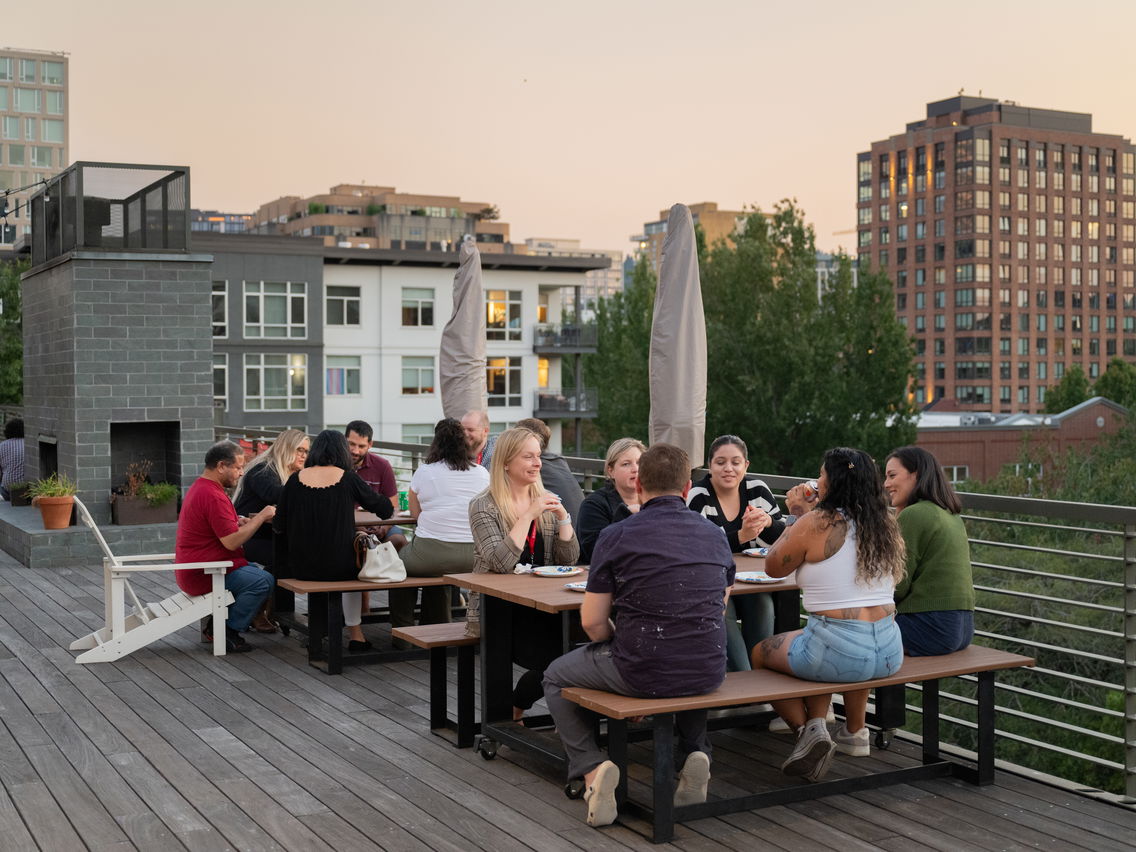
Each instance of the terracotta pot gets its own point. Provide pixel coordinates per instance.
(56, 511)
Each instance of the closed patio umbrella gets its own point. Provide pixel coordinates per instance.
(677, 366)
(461, 359)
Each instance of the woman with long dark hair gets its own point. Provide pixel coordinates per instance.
(935, 602)
(315, 522)
(848, 555)
(439, 496)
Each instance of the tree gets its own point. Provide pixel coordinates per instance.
(1073, 389)
(1117, 383)
(11, 334)
(618, 369)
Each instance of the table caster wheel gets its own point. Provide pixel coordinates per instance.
(285, 629)
(486, 747)
(574, 789)
(883, 739)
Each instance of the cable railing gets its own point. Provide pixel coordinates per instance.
(1055, 581)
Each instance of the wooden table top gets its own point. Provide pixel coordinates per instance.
(363, 518)
(548, 594)
(305, 587)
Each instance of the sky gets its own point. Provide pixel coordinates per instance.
(578, 120)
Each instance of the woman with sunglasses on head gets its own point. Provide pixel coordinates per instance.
(744, 507)
(616, 500)
(848, 556)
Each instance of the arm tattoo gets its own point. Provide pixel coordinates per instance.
(834, 540)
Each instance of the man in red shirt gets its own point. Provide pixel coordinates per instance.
(209, 531)
(376, 472)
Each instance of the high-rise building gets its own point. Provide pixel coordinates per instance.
(33, 131)
(716, 225)
(1008, 234)
(598, 283)
(378, 217)
(216, 222)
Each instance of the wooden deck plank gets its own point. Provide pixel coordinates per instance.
(46, 822)
(83, 808)
(16, 836)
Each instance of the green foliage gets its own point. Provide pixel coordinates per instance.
(618, 369)
(1118, 383)
(56, 485)
(158, 493)
(315, 208)
(376, 209)
(11, 334)
(1073, 389)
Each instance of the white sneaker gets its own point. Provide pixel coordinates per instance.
(813, 753)
(856, 745)
(780, 726)
(693, 780)
(600, 796)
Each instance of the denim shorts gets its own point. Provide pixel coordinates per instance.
(927, 634)
(840, 650)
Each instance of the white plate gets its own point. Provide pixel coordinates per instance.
(557, 570)
(754, 577)
(578, 586)
(758, 552)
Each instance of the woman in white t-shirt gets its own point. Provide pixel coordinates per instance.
(440, 491)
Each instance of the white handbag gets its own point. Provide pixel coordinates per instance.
(378, 562)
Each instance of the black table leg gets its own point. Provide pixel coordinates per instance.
(496, 660)
(317, 625)
(786, 611)
(662, 792)
(985, 728)
(334, 633)
(930, 721)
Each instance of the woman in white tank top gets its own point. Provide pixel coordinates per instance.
(848, 555)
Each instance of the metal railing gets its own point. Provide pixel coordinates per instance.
(566, 336)
(1055, 581)
(565, 402)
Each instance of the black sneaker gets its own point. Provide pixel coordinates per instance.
(207, 629)
(235, 643)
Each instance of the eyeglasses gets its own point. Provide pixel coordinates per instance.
(301, 451)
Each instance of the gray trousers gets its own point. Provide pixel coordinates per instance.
(429, 557)
(592, 667)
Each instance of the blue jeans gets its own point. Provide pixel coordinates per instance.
(250, 585)
(592, 667)
(843, 650)
(928, 634)
(755, 611)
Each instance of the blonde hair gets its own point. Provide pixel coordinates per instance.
(618, 447)
(508, 447)
(279, 457)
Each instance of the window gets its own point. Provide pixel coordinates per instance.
(343, 375)
(220, 309)
(26, 100)
(417, 433)
(276, 309)
(5, 69)
(221, 380)
(418, 374)
(51, 130)
(503, 315)
(52, 73)
(342, 305)
(503, 381)
(27, 70)
(276, 382)
(16, 156)
(957, 473)
(54, 103)
(41, 156)
(418, 310)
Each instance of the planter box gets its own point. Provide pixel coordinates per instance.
(20, 496)
(130, 511)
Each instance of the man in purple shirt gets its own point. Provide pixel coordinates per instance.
(653, 609)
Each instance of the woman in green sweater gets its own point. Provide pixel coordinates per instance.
(935, 600)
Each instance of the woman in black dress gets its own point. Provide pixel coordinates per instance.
(315, 522)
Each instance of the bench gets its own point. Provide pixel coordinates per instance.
(438, 639)
(325, 618)
(764, 685)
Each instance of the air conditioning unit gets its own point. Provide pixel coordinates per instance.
(968, 420)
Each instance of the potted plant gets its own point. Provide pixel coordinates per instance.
(55, 497)
(18, 492)
(140, 501)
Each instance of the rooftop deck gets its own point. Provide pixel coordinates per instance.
(172, 748)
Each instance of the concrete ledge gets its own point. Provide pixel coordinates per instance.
(23, 537)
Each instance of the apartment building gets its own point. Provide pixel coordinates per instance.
(33, 131)
(716, 225)
(1008, 234)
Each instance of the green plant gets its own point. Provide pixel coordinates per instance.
(315, 208)
(56, 485)
(158, 493)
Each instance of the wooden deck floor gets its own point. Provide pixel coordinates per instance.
(172, 748)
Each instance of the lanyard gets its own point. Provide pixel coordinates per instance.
(531, 541)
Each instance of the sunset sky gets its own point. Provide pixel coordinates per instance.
(578, 120)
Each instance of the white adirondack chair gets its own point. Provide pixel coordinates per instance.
(125, 632)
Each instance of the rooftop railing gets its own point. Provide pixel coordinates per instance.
(1055, 581)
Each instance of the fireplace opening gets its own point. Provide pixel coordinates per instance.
(156, 443)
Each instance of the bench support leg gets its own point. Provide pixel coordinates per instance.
(662, 788)
(930, 721)
(466, 726)
(334, 633)
(891, 710)
(985, 728)
(317, 625)
(438, 717)
(617, 751)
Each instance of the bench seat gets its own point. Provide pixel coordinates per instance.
(438, 639)
(763, 686)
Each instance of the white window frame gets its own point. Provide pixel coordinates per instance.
(417, 367)
(354, 369)
(957, 473)
(417, 433)
(417, 303)
(344, 300)
(294, 291)
(221, 363)
(220, 288)
(512, 368)
(507, 300)
(257, 363)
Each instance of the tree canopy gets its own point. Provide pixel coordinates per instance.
(11, 334)
(791, 370)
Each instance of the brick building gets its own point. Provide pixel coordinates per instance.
(1008, 233)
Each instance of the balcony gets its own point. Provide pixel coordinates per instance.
(566, 339)
(565, 403)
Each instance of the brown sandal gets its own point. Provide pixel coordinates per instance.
(262, 622)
